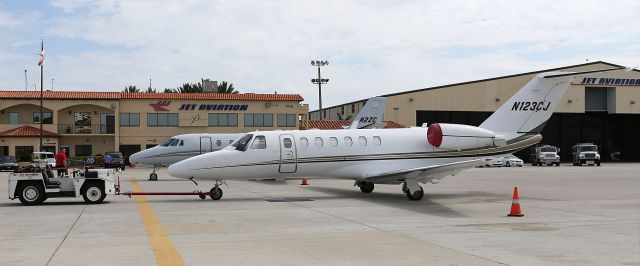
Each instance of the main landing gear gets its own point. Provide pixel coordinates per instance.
(365, 187)
(413, 190)
(153, 176)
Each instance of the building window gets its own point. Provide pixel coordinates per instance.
(353, 108)
(223, 120)
(47, 118)
(258, 120)
(304, 142)
(130, 119)
(333, 141)
(260, 142)
(319, 142)
(14, 118)
(362, 140)
(23, 153)
(162, 119)
(377, 141)
(348, 141)
(286, 120)
(324, 113)
(342, 110)
(83, 150)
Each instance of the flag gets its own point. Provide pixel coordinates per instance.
(41, 60)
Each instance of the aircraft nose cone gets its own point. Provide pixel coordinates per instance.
(134, 158)
(180, 170)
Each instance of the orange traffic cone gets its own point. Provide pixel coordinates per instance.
(515, 205)
(304, 182)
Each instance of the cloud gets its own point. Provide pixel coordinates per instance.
(374, 47)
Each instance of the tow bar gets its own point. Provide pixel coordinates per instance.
(199, 193)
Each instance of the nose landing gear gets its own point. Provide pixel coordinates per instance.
(216, 191)
(153, 176)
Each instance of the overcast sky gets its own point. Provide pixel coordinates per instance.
(373, 46)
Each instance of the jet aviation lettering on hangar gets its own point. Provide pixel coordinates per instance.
(185, 146)
(407, 156)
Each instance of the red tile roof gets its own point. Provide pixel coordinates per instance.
(27, 131)
(333, 124)
(145, 95)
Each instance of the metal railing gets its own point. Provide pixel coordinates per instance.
(86, 129)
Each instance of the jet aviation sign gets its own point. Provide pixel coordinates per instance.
(160, 107)
(611, 81)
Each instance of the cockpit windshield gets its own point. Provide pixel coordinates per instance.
(167, 142)
(241, 143)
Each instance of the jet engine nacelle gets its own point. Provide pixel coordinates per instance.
(460, 137)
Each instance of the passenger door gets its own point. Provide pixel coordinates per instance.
(288, 154)
(205, 145)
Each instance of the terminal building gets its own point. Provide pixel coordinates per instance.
(602, 108)
(90, 123)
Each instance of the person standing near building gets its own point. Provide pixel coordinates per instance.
(61, 159)
(107, 160)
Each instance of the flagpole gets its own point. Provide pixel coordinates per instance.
(41, 91)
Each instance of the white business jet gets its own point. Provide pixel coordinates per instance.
(185, 146)
(407, 156)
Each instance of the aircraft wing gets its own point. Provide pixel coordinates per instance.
(426, 173)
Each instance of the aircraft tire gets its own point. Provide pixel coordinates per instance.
(366, 187)
(153, 177)
(216, 193)
(416, 195)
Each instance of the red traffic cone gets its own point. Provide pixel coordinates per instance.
(305, 182)
(515, 205)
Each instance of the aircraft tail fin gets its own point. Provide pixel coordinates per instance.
(371, 114)
(529, 109)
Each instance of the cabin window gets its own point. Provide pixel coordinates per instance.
(318, 142)
(287, 142)
(230, 141)
(304, 142)
(377, 141)
(260, 142)
(218, 143)
(333, 142)
(362, 140)
(348, 142)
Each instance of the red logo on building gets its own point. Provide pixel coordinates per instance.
(159, 106)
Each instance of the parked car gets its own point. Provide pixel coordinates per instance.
(506, 160)
(511, 160)
(8, 163)
(117, 160)
(42, 158)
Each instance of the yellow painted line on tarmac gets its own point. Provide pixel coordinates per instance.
(164, 250)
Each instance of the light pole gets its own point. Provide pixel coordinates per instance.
(319, 81)
(52, 79)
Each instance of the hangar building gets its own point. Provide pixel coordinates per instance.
(602, 108)
(88, 123)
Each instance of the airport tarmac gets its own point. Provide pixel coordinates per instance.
(573, 216)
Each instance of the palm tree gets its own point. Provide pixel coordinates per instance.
(150, 90)
(168, 90)
(225, 87)
(191, 88)
(131, 88)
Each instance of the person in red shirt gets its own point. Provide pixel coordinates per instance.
(61, 159)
